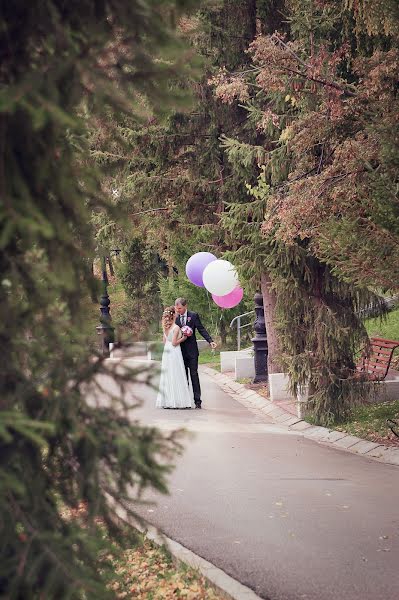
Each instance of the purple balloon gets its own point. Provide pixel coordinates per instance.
(229, 300)
(196, 265)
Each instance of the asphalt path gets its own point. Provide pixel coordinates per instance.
(288, 517)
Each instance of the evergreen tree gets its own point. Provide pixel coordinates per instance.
(325, 203)
(172, 175)
(66, 65)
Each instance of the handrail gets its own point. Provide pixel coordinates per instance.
(390, 303)
(239, 316)
(239, 326)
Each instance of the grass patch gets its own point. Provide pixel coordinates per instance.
(369, 421)
(149, 573)
(211, 358)
(388, 327)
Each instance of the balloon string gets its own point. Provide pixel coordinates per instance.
(214, 327)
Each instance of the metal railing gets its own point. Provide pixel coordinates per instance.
(239, 326)
(390, 302)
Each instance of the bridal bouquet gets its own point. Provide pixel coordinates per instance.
(186, 330)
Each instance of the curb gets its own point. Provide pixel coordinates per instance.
(261, 406)
(229, 588)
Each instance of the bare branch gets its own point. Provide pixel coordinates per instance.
(141, 212)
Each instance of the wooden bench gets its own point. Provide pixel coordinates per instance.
(376, 364)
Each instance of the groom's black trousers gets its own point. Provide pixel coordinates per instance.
(191, 364)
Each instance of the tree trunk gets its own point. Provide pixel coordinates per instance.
(111, 266)
(223, 333)
(269, 305)
(272, 16)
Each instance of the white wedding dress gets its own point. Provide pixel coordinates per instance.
(173, 387)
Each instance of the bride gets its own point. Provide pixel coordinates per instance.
(173, 387)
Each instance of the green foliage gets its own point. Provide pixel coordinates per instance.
(326, 104)
(170, 175)
(66, 66)
(317, 315)
(241, 221)
(321, 225)
(139, 270)
(227, 30)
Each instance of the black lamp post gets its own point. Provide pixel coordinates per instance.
(105, 329)
(260, 341)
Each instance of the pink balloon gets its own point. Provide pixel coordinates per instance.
(230, 300)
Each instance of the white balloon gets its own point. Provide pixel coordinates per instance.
(220, 277)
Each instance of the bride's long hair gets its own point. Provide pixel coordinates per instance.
(168, 317)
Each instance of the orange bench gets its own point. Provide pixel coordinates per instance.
(376, 364)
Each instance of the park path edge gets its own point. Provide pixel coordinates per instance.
(264, 407)
(228, 587)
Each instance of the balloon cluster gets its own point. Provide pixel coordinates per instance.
(218, 276)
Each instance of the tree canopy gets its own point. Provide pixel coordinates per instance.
(321, 90)
(291, 148)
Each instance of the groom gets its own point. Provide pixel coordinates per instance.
(189, 348)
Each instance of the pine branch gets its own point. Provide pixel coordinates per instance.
(324, 82)
(142, 212)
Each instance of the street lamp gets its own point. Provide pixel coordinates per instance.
(105, 329)
(260, 341)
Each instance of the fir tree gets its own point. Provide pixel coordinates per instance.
(64, 65)
(172, 175)
(326, 226)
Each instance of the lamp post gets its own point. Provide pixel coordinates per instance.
(105, 329)
(260, 341)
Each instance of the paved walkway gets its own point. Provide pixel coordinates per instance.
(287, 414)
(286, 516)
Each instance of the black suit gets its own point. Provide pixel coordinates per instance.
(190, 352)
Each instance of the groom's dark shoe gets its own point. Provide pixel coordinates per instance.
(198, 404)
